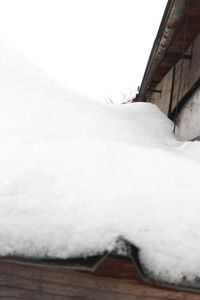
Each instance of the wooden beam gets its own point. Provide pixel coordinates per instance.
(22, 281)
(177, 55)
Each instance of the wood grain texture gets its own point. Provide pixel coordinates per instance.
(113, 280)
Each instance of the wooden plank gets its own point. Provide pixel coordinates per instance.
(21, 281)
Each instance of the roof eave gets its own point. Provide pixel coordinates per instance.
(173, 15)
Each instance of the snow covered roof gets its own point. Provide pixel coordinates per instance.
(77, 174)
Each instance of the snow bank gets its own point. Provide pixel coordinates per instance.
(76, 174)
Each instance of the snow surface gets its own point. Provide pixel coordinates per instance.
(76, 174)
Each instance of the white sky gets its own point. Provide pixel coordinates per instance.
(97, 47)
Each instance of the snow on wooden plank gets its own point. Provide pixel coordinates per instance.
(23, 281)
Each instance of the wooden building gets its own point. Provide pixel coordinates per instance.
(172, 76)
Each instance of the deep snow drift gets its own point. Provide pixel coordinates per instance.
(76, 174)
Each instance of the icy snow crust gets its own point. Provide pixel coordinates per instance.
(76, 174)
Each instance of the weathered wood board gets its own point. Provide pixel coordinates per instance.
(114, 280)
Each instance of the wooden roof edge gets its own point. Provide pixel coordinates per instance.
(172, 17)
(101, 264)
